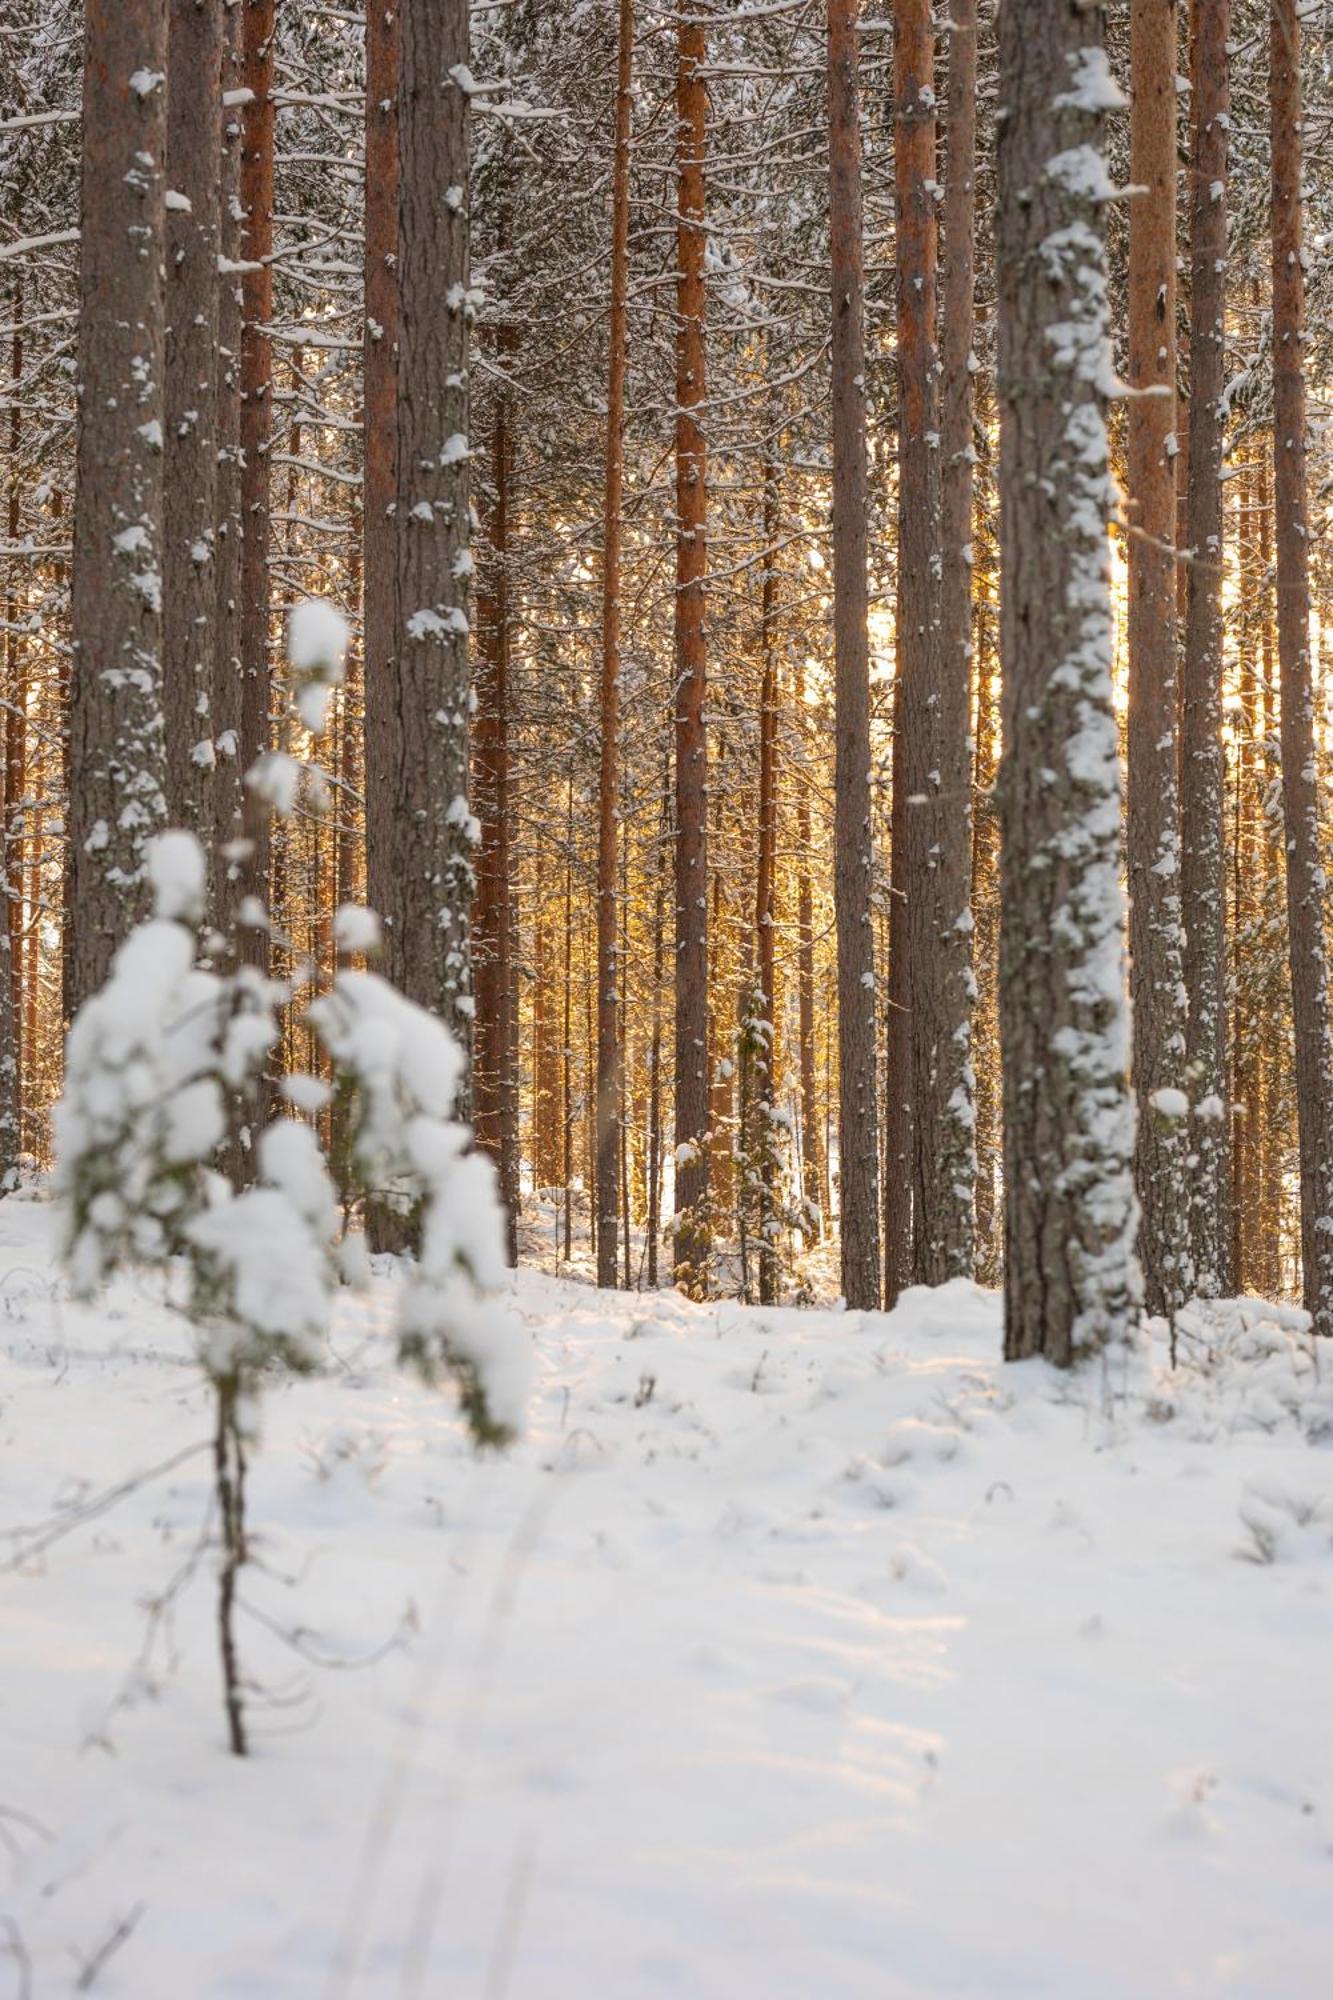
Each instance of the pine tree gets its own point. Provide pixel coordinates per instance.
(193, 247)
(1156, 942)
(1307, 941)
(1202, 760)
(116, 739)
(432, 831)
(610, 1066)
(692, 1145)
(1071, 1281)
(858, 1140)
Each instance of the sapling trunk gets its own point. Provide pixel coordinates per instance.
(229, 1480)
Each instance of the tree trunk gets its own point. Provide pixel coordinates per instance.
(379, 406)
(1156, 971)
(433, 833)
(11, 1053)
(610, 1065)
(946, 1144)
(1300, 769)
(858, 1137)
(1071, 1280)
(256, 482)
(225, 699)
(762, 1161)
(814, 1164)
(117, 754)
(691, 1223)
(493, 1081)
(1203, 764)
(190, 505)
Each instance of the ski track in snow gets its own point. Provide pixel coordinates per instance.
(790, 1655)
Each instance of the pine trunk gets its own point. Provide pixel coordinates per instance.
(946, 1239)
(225, 698)
(692, 1137)
(610, 1077)
(190, 505)
(1300, 768)
(1071, 1281)
(118, 766)
(858, 1138)
(256, 483)
(492, 921)
(379, 361)
(432, 831)
(1202, 763)
(1156, 943)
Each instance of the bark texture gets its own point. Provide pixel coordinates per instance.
(495, 1083)
(1156, 944)
(610, 1077)
(1300, 780)
(252, 885)
(1202, 761)
(433, 832)
(692, 1141)
(1071, 1280)
(117, 754)
(225, 701)
(379, 361)
(858, 1128)
(946, 1239)
(193, 241)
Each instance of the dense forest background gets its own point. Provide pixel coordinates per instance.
(656, 640)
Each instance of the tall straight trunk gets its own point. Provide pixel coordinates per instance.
(912, 1221)
(947, 1148)
(1300, 768)
(379, 402)
(858, 1132)
(1202, 762)
(567, 1039)
(349, 871)
(930, 982)
(610, 1063)
(225, 699)
(653, 1224)
(494, 1103)
(193, 233)
(722, 1018)
(1071, 1281)
(11, 1066)
(433, 834)
(545, 1064)
(1156, 944)
(814, 1161)
(256, 434)
(761, 1150)
(116, 744)
(692, 1141)
(1268, 1228)
(1250, 1028)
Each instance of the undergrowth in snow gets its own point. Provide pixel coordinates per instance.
(788, 1655)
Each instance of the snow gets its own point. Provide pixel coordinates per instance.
(356, 928)
(790, 1654)
(317, 639)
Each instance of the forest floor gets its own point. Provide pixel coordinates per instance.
(791, 1655)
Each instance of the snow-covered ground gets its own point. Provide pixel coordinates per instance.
(792, 1655)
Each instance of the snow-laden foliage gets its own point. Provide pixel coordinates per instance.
(162, 1065)
(399, 1071)
(157, 1063)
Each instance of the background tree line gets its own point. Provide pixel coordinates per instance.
(639, 399)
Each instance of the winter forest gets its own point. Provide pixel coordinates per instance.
(666, 1051)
